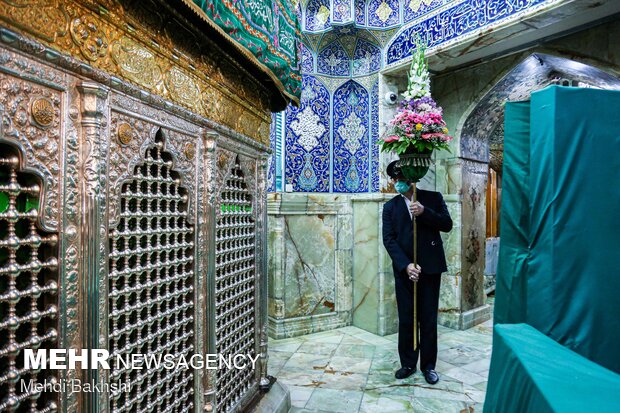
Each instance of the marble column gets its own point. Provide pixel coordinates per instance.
(374, 302)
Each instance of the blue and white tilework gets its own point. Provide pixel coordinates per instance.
(318, 16)
(271, 161)
(343, 11)
(334, 61)
(366, 58)
(307, 60)
(351, 136)
(453, 22)
(360, 12)
(374, 137)
(413, 9)
(383, 13)
(307, 139)
(330, 142)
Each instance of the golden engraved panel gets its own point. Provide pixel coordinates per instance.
(212, 102)
(183, 88)
(93, 43)
(137, 63)
(110, 39)
(43, 18)
(263, 132)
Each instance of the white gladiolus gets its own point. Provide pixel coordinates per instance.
(419, 78)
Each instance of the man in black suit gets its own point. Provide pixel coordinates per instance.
(432, 216)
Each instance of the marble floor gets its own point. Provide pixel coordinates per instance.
(350, 370)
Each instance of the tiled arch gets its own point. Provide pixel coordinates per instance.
(351, 138)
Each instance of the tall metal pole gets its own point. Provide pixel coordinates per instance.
(415, 284)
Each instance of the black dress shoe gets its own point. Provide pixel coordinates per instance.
(404, 372)
(431, 376)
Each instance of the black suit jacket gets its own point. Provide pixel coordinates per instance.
(398, 233)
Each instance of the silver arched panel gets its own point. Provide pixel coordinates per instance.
(29, 289)
(236, 290)
(151, 286)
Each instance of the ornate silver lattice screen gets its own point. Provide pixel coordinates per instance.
(235, 289)
(151, 287)
(28, 288)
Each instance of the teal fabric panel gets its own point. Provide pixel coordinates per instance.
(532, 373)
(511, 279)
(574, 278)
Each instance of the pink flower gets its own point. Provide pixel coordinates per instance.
(391, 138)
(428, 136)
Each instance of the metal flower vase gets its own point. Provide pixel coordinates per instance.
(414, 164)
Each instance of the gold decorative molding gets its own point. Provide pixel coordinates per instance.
(44, 19)
(92, 42)
(137, 63)
(125, 44)
(183, 88)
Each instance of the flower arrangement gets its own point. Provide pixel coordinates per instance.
(418, 123)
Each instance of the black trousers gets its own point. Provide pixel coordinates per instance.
(427, 303)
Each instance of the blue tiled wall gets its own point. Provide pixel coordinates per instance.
(383, 13)
(366, 58)
(307, 155)
(350, 138)
(333, 61)
(330, 141)
(462, 18)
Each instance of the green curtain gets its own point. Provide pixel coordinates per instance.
(558, 269)
(266, 31)
(532, 373)
(511, 280)
(573, 277)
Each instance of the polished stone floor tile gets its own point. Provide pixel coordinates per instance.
(344, 381)
(310, 379)
(373, 402)
(300, 395)
(355, 350)
(385, 364)
(351, 370)
(349, 364)
(277, 360)
(474, 393)
(288, 345)
(351, 339)
(434, 405)
(311, 347)
(306, 362)
(344, 401)
(464, 376)
(479, 366)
